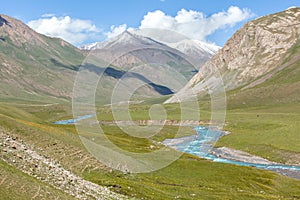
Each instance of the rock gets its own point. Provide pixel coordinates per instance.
(19, 156)
(251, 55)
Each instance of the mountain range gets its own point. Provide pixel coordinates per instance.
(38, 66)
(193, 49)
(34, 65)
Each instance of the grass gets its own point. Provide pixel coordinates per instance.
(193, 178)
(17, 185)
(268, 131)
(187, 178)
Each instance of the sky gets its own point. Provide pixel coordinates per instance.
(82, 22)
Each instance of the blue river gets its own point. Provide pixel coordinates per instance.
(200, 145)
(73, 121)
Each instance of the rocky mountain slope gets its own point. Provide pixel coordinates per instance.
(255, 53)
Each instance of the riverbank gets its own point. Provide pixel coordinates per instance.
(241, 156)
(201, 145)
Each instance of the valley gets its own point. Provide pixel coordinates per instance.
(61, 143)
(92, 122)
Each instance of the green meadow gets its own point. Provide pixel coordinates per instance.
(268, 131)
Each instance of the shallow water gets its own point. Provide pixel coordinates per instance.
(201, 144)
(73, 121)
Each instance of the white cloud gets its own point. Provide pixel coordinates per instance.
(74, 31)
(195, 24)
(115, 30)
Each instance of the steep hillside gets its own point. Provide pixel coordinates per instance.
(280, 86)
(257, 52)
(33, 66)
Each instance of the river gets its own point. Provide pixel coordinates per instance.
(201, 144)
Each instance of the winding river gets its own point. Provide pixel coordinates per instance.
(201, 145)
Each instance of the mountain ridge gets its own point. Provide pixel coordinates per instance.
(34, 65)
(196, 51)
(258, 49)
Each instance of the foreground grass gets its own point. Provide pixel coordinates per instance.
(187, 178)
(193, 178)
(17, 185)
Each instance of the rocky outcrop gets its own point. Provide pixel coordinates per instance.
(255, 50)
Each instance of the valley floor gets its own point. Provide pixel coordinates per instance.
(189, 177)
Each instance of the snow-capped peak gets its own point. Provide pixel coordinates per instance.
(90, 46)
(125, 38)
(190, 47)
(187, 46)
(209, 47)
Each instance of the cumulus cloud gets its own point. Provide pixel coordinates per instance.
(195, 24)
(115, 30)
(74, 31)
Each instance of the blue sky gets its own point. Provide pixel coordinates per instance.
(96, 18)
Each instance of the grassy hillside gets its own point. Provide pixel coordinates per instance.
(41, 72)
